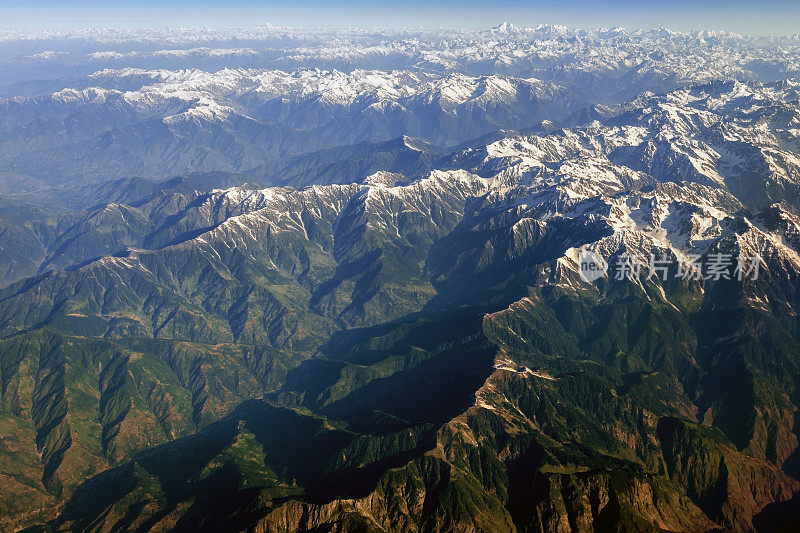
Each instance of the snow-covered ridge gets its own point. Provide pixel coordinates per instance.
(334, 87)
(244, 89)
(506, 49)
(610, 176)
(689, 149)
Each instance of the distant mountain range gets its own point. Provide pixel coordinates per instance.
(324, 300)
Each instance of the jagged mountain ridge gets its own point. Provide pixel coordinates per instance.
(86, 222)
(359, 306)
(236, 120)
(188, 108)
(620, 57)
(687, 135)
(266, 277)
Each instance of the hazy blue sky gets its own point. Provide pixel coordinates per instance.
(764, 17)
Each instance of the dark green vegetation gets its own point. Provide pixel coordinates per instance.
(487, 401)
(387, 431)
(399, 354)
